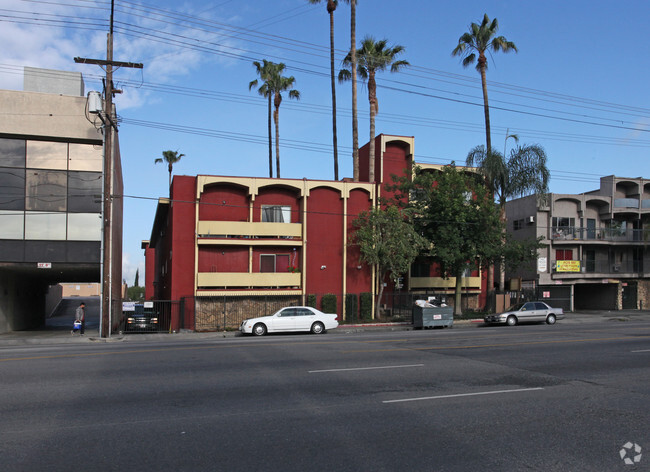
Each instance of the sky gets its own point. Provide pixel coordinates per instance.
(577, 86)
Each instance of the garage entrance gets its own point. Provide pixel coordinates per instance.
(597, 296)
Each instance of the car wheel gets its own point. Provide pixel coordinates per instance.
(259, 329)
(317, 328)
(550, 319)
(511, 321)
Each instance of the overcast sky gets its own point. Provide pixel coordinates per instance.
(577, 87)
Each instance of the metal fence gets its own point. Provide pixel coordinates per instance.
(150, 317)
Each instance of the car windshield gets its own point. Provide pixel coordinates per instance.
(516, 307)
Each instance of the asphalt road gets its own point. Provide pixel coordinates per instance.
(566, 397)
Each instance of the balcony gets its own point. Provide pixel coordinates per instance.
(248, 280)
(569, 233)
(247, 233)
(597, 268)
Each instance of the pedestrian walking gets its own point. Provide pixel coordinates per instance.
(80, 315)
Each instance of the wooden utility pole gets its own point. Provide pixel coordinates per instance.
(110, 128)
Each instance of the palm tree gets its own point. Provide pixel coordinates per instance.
(331, 7)
(171, 158)
(479, 39)
(523, 173)
(353, 68)
(277, 84)
(265, 71)
(373, 56)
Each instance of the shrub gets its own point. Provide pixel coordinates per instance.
(365, 305)
(328, 303)
(351, 307)
(311, 300)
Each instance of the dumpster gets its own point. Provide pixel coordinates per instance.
(432, 317)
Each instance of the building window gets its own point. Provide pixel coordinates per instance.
(12, 224)
(274, 262)
(421, 268)
(86, 157)
(563, 227)
(84, 227)
(46, 190)
(276, 214)
(518, 224)
(12, 189)
(47, 155)
(84, 192)
(45, 225)
(12, 152)
(564, 254)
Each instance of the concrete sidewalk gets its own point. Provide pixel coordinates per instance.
(59, 332)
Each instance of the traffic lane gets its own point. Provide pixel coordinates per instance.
(276, 422)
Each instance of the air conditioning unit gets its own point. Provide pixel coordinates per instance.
(530, 220)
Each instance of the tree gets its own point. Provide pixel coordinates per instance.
(266, 71)
(171, 158)
(479, 39)
(331, 8)
(373, 56)
(277, 84)
(388, 240)
(523, 173)
(454, 211)
(136, 282)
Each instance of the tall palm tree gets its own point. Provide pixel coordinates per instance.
(479, 39)
(331, 7)
(353, 68)
(265, 71)
(171, 158)
(278, 84)
(373, 56)
(523, 173)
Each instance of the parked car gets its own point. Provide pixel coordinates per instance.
(528, 311)
(294, 318)
(143, 318)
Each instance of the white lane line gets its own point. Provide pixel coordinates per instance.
(463, 395)
(644, 350)
(365, 368)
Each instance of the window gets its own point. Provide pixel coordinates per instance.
(518, 224)
(274, 262)
(420, 268)
(12, 152)
(564, 254)
(85, 157)
(47, 155)
(12, 224)
(46, 190)
(276, 214)
(12, 189)
(563, 227)
(45, 225)
(84, 227)
(84, 192)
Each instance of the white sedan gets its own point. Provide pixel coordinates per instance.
(293, 318)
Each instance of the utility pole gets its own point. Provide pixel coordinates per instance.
(110, 128)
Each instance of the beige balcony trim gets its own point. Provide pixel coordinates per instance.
(439, 282)
(244, 228)
(245, 279)
(250, 242)
(247, 293)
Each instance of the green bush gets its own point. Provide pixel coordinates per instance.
(365, 305)
(311, 300)
(351, 307)
(328, 303)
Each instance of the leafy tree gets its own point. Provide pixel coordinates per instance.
(523, 173)
(135, 293)
(266, 70)
(478, 40)
(331, 8)
(372, 57)
(453, 211)
(277, 84)
(171, 158)
(387, 239)
(137, 278)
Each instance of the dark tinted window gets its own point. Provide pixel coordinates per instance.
(12, 152)
(84, 192)
(12, 189)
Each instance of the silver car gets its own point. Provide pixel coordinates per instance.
(528, 311)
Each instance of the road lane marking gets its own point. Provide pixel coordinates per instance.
(438, 397)
(644, 350)
(479, 346)
(365, 368)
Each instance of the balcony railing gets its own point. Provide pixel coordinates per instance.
(602, 234)
(597, 267)
(248, 280)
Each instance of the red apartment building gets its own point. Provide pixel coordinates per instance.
(221, 242)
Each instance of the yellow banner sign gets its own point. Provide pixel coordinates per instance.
(568, 266)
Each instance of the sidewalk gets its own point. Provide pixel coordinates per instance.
(60, 333)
